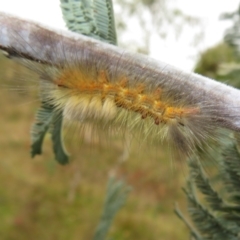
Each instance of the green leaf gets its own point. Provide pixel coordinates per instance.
(193, 231)
(43, 119)
(231, 168)
(117, 192)
(93, 18)
(217, 216)
(58, 145)
(198, 176)
(209, 226)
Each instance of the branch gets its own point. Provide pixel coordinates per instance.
(38, 43)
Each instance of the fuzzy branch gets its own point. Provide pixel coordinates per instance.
(35, 42)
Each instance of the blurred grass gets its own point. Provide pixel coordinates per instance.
(40, 199)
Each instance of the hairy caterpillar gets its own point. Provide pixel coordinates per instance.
(90, 92)
(92, 81)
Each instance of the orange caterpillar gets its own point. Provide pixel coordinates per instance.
(105, 97)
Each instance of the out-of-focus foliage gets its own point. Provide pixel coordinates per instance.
(152, 17)
(211, 59)
(222, 62)
(232, 35)
(214, 206)
(217, 62)
(116, 196)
